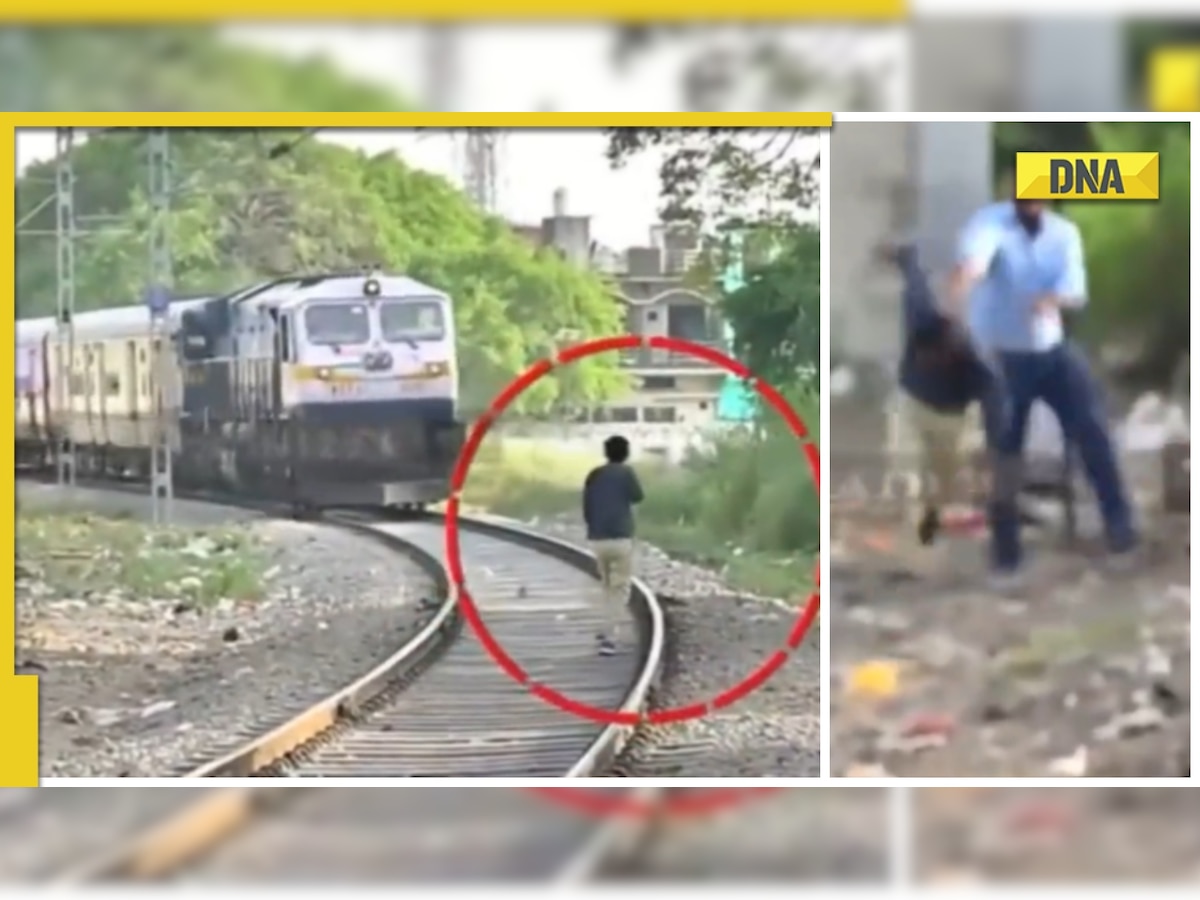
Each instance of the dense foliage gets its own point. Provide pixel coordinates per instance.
(186, 68)
(239, 215)
(760, 69)
(776, 315)
(752, 196)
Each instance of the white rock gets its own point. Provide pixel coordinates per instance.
(154, 709)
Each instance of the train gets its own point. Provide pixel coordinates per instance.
(320, 390)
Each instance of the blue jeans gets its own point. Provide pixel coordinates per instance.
(1063, 380)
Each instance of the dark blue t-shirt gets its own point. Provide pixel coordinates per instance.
(610, 492)
(963, 377)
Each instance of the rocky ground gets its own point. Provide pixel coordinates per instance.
(155, 647)
(1088, 834)
(1082, 674)
(718, 636)
(828, 835)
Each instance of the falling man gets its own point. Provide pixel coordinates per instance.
(943, 375)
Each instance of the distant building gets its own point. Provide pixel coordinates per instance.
(669, 388)
(570, 235)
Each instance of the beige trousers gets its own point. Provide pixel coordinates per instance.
(615, 559)
(944, 453)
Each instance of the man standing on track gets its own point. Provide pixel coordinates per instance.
(609, 494)
(1019, 266)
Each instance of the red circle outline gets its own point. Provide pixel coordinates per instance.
(626, 804)
(470, 611)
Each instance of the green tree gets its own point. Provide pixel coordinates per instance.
(186, 68)
(1139, 256)
(751, 195)
(776, 315)
(760, 71)
(722, 180)
(1011, 138)
(240, 215)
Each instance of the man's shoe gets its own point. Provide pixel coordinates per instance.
(929, 526)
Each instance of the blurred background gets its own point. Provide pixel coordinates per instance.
(1078, 64)
(1142, 835)
(815, 835)
(362, 836)
(1001, 64)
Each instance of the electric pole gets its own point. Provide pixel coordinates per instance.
(441, 68)
(158, 301)
(480, 149)
(64, 233)
(481, 167)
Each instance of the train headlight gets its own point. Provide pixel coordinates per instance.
(371, 288)
(436, 369)
(324, 374)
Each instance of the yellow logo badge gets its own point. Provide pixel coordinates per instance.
(1087, 176)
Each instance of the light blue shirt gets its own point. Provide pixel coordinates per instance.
(1020, 268)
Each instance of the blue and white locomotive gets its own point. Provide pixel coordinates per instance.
(325, 389)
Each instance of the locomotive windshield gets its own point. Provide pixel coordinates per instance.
(337, 323)
(412, 320)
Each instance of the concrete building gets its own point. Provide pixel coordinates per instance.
(669, 389)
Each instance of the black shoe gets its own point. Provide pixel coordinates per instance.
(607, 647)
(929, 526)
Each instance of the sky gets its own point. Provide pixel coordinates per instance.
(514, 67)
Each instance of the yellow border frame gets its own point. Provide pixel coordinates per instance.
(19, 694)
(475, 11)
(593, 120)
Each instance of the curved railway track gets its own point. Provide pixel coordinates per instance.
(289, 834)
(305, 835)
(438, 706)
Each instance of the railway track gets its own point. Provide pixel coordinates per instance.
(438, 706)
(291, 833)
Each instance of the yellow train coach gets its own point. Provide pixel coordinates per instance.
(98, 391)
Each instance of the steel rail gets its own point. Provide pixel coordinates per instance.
(438, 706)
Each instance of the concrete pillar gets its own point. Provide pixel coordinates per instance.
(964, 64)
(1008, 65)
(951, 178)
(1072, 64)
(869, 169)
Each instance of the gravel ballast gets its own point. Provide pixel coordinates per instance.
(718, 636)
(139, 687)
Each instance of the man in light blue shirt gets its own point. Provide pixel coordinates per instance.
(1019, 266)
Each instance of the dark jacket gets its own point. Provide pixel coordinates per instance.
(609, 494)
(941, 366)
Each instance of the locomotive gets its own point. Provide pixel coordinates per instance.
(337, 388)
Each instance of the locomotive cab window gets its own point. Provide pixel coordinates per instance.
(337, 323)
(408, 320)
